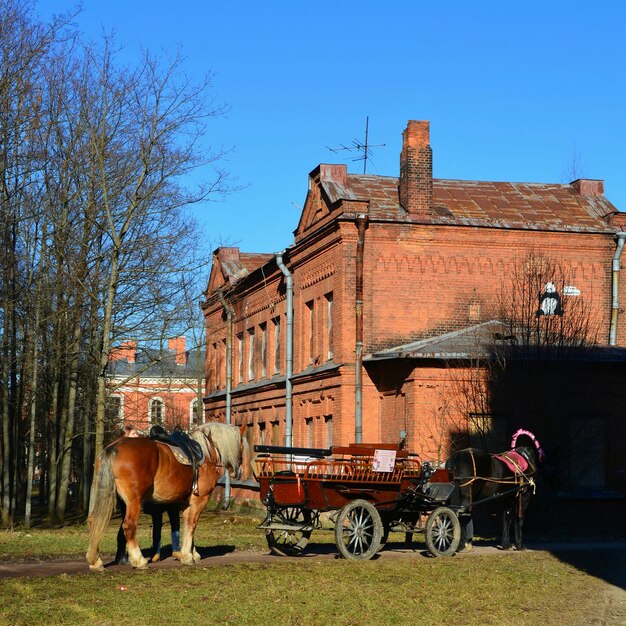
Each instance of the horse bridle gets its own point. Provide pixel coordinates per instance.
(541, 454)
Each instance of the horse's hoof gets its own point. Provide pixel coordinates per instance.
(468, 547)
(155, 558)
(176, 555)
(187, 559)
(98, 566)
(505, 548)
(520, 548)
(142, 563)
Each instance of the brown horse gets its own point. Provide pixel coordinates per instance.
(139, 469)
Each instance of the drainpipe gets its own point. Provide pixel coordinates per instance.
(229, 380)
(289, 350)
(615, 288)
(361, 224)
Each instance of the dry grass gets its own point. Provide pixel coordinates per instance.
(534, 588)
(524, 588)
(70, 542)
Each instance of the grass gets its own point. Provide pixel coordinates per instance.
(70, 542)
(527, 588)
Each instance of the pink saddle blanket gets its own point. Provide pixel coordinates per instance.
(514, 461)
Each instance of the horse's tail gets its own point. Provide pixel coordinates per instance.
(102, 504)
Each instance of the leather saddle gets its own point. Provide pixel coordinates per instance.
(179, 439)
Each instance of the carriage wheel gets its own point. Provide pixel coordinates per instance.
(385, 536)
(358, 530)
(289, 542)
(443, 532)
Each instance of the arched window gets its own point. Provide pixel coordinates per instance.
(157, 411)
(115, 410)
(195, 413)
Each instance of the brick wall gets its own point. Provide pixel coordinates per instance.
(419, 280)
(445, 279)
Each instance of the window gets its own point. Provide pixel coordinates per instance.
(277, 355)
(157, 411)
(220, 364)
(250, 436)
(275, 433)
(251, 355)
(587, 452)
(195, 413)
(263, 350)
(309, 431)
(328, 419)
(329, 326)
(310, 309)
(215, 366)
(488, 431)
(240, 358)
(262, 433)
(114, 410)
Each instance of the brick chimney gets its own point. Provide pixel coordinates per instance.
(178, 345)
(588, 187)
(127, 350)
(416, 169)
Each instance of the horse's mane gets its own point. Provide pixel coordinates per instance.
(225, 438)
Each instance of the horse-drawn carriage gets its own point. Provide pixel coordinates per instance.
(370, 490)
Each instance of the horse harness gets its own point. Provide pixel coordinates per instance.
(517, 463)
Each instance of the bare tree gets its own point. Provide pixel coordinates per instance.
(538, 317)
(96, 245)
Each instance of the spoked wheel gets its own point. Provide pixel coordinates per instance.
(385, 536)
(443, 532)
(289, 542)
(358, 530)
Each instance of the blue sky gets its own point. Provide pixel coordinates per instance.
(514, 91)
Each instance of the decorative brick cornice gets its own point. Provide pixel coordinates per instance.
(259, 303)
(317, 274)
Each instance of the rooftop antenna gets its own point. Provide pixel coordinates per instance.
(363, 147)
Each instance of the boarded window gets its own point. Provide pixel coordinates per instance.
(251, 355)
(263, 350)
(587, 452)
(310, 312)
(240, 358)
(329, 326)
(277, 354)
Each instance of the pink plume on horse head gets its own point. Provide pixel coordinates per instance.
(532, 437)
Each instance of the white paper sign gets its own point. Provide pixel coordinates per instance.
(570, 290)
(384, 460)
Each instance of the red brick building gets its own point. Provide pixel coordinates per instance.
(154, 387)
(392, 280)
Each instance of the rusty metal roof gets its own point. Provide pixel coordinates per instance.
(236, 268)
(531, 206)
(466, 343)
(479, 341)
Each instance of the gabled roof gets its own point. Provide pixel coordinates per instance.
(230, 265)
